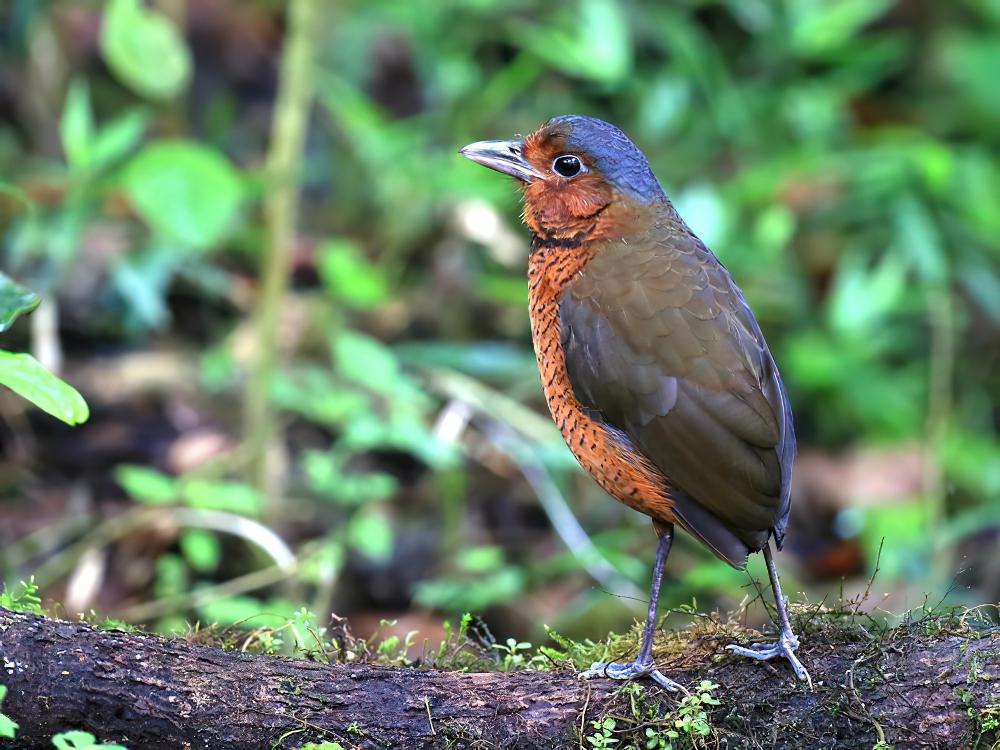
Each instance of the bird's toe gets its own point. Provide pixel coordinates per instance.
(630, 670)
(784, 648)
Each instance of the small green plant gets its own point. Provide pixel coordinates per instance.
(660, 739)
(79, 740)
(602, 737)
(987, 721)
(882, 745)
(692, 717)
(25, 599)
(8, 727)
(512, 656)
(24, 374)
(649, 725)
(322, 746)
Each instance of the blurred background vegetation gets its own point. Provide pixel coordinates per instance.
(299, 318)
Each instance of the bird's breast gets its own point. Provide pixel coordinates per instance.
(619, 469)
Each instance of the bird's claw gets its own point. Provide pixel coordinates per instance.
(784, 647)
(631, 670)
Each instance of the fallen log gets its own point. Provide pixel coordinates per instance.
(911, 687)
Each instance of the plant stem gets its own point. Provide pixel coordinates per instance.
(284, 163)
(939, 407)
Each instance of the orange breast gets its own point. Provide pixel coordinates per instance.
(623, 473)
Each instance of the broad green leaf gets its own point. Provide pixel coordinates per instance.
(15, 300)
(370, 533)
(321, 565)
(367, 361)
(325, 473)
(819, 26)
(348, 276)
(76, 126)
(234, 497)
(187, 192)
(8, 727)
(480, 559)
(147, 485)
(25, 375)
(457, 595)
(201, 549)
(970, 61)
(904, 526)
(919, 240)
(144, 49)
(862, 296)
(591, 41)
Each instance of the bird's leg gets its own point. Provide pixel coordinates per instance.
(643, 663)
(787, 642)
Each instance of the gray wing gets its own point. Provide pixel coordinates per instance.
(660, 345)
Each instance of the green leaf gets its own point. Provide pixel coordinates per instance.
(144, 49)
(481, 559)
(25, 375)
(186, 192)
(78, 740)
(15, 300)
(862, 296)
(970, 60)
(370, 533)
(234, 497)
(234, 609)
(146, 485)
(76, 126)
(325, 474)
(85, 146)
(348, 276)
(367, 361)
(593, 42)
(117, 138)
(8, 727)
(22, 599)
(819, 26)
(201, 549)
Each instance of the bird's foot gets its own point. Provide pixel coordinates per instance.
(630, 670)
(784, 647)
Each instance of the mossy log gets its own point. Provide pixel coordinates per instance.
(923, 686)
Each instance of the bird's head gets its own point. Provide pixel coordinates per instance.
(582, 177)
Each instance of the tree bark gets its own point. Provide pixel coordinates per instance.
(913, 688)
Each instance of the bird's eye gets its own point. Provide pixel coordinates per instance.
(568, 165)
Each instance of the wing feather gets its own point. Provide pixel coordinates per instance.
(661, 345)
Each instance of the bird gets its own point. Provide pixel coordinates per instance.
(652, 364)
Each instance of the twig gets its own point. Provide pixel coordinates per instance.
(430, 720)
(118, 527)
(871, 579)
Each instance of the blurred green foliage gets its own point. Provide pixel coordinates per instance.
(841, 158)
